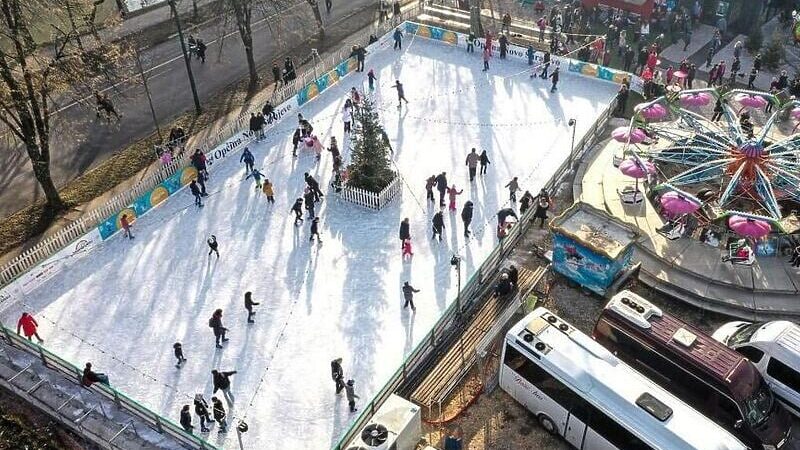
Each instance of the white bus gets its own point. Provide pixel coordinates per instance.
(580, 391)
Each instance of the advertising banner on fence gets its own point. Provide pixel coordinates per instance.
(521, 53)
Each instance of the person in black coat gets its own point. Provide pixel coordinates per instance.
(408, 295)
(441, 186)
(405, 231)
(297, 209)
(484, 162)
(513, 275)
(337, 374)
(215, 322)
(466, 216)
(186, 419)
(503, 287)
(437, 225)
(198, 195)
(525, 202)
(222, 382)
(248, 305)
(219, 414)
(554, 77)
(295, 141)
(314, 186)
(201, 409)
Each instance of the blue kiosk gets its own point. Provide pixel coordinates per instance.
(592, 248)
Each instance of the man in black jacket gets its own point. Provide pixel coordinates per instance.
(201, 409)
(441, 186)
(337, 374)
(408, 295)
(405, 231)
(222, 382)
(437, 225)
(466, 217)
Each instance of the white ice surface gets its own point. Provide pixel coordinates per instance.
(133, 299)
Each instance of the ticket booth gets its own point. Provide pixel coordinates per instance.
(592, 248)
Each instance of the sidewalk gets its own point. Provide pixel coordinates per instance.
(701, 36)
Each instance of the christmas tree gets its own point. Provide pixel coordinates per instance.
(370, 168)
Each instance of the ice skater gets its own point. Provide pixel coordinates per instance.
(256, 176)
(314, 186)
(371, 79)
(484, 162)
(186, 419)
(466, 217)
(407, 250)
(441, 186)
(487, 55)
(269, 191)
(452, 193)
(315, 230)
(472, 163)
(401, 95)
(222, 382)
(201, 409)
(248, 159)
(337, 374)
(405, 231)
(297, 209)
(213, 245)
(195, 190)
(126, 226)
(408, 295)
(437, 225)
(316, 145)
(513, 187)
(29, 327)
(351, 395)
(219, 415)
(554, 77)
(178, 350)
(248, 305)
(398, 39)
(215, 322)
(347, 116)
(430, 182)
(295, 141)
(308, 199)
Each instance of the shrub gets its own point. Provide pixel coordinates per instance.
(773, 54)
(754, 41)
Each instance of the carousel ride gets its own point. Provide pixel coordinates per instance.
(720, 163)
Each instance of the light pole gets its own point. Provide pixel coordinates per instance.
(455, 261)
(186, 59)
(572, 145)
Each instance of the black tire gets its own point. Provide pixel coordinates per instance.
(548, 424)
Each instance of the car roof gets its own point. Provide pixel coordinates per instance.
(785, 334)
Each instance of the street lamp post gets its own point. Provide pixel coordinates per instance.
(572, 145)
(186, 58)
(455, 261)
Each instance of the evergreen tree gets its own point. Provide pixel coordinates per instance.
(370, 168)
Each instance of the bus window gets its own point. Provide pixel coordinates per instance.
(614, 433)
(536, 376)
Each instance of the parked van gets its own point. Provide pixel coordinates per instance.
(774, 348)
(712, 378)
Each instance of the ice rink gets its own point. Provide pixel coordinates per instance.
(124, 305)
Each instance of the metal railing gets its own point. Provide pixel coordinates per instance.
(157, 422)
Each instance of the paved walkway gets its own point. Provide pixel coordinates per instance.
(685, 268)
(701, 36)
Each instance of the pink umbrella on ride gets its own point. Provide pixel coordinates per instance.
(795, 113)
(625, 134)
(655, 111)
(677, 203)
(636, 169)
(749, 227)
(750, 101)
(695, 99)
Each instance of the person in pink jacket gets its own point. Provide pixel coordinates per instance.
(29, 327)
(453, 192)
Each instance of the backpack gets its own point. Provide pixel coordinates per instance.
(211, 322)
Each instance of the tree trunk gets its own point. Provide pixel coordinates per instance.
(41, 170)
(243, 12)
(317, 17)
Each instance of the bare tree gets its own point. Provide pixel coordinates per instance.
(317, 17)
(33, 74)
(243, 13)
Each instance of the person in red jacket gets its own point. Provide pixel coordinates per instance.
(29, 326)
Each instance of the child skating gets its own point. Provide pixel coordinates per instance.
(213, 245)
(371, 79)
(256, 176)
(268, 190)
(178, 354)
(315, 230)
(407, 250)
(401, 95)
(452, 192)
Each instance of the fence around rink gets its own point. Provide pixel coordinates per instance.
(470, 292)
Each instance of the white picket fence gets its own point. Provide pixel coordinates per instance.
(369, 199)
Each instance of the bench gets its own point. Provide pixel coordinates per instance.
(457, 355)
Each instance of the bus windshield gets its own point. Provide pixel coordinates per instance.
(758, 406)
(743, 335)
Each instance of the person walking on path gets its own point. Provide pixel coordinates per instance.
(219, 414)
(718, 110)
(201, 409)
(297, 209)
(466, 217)
(351, 395)
(513, 187)
(195, 190)
(484, 159)
(315, 230)
(277, 77)
(186, 419)
(337, 374)
(554, 77)
(542, 205)
(215, 322)
(126, 226)
(452, 193)
(405, 231)
(752, 78)
(525, 202)
(328, 6)
(222, 382)
(441, 186)
(29, 327)
(430, 182)
(472, 163)
(471, 42)
(198, 161)
(269, 191)
(401, 95)
(398, 39)
(248, 159)
(506, 23)
(408, 295)
(437, 225)
(487, 55)
(213, 245)
(177, 349)
(248, 305)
